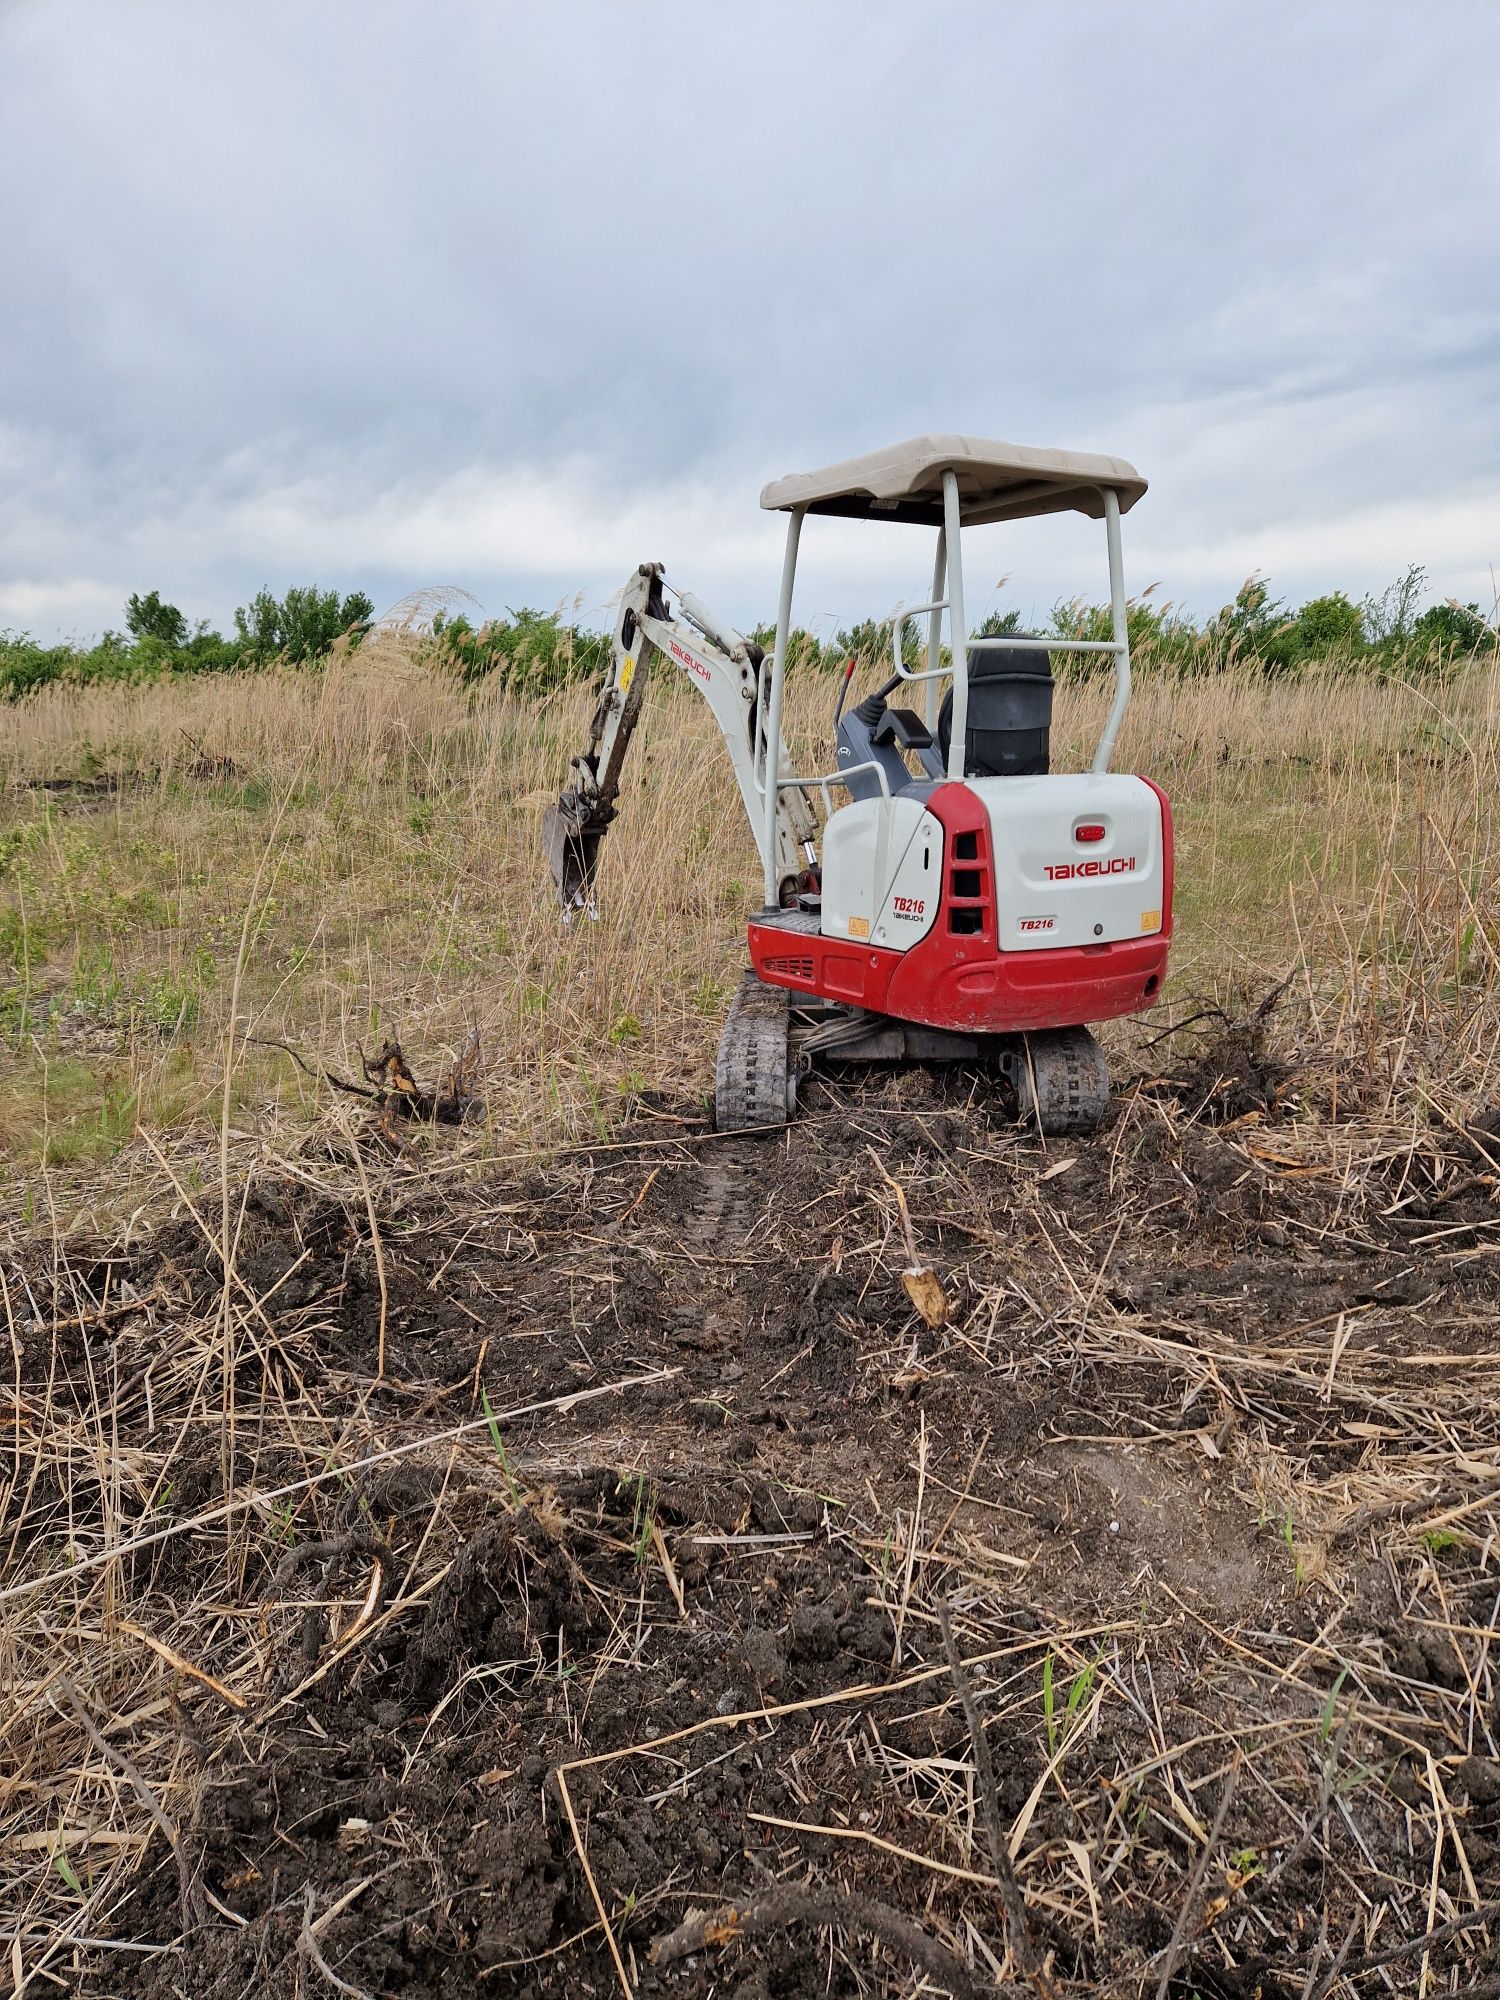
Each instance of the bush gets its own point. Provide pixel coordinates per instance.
(868, 643)
(1160, 629)
(998, 625)
(26, 666)
(1251, 622)
(1330, 625)
(538, 650)
(1382, 632)
(804, 649)
(528, 649)
(208, 653)
(1325, 628)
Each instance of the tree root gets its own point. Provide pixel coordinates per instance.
(788, 1903)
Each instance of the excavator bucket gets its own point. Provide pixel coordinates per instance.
(571, 834)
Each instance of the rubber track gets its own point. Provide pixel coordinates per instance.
(1071, 1082)
(750, 1081)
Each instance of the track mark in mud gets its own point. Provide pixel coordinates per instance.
(718, 1225)
(732, 1177)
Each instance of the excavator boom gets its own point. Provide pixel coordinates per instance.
(726, 670)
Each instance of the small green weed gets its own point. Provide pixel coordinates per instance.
(499, 1443)
(643, 1516)
(1077, 1693)
(1330, 1706)
(89, 1119)
(887, 1549)
(66, 1869)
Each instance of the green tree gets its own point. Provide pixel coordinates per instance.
(148, 618)
(1325, 627)
(1167, 635)
(869, 642)
(25, 665)
(998, 625)
(1329, 625)
(1452, 628)
(1251, 621)
(303, 625)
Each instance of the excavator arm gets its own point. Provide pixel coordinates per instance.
(729, 672)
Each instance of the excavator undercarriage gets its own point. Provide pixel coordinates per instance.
(773, 1040)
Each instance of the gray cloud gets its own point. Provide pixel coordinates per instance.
(511, 297)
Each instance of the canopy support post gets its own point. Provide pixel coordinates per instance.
(771, 723)
(1120, 621)
(957, 628)
(935, 627)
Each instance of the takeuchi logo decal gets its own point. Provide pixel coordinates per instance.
(1079, 871)
(694, 666)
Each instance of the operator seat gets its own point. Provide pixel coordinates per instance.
(1008, 734)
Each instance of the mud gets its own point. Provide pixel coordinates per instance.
(1143, 1450)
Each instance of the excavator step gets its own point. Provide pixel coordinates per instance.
(1062, 1082)
(753, 1081)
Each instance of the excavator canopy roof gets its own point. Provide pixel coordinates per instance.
(996, 482)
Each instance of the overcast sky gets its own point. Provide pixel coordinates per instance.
(512, 297)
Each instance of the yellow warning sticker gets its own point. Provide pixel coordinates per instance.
(1150, 920)
(859, 927)
(627, 675)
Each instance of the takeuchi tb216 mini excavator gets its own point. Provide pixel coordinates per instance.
(964, 901)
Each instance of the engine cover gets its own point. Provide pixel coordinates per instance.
(1078, 859)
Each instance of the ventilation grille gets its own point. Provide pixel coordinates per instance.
(970, 884)
(791, 968)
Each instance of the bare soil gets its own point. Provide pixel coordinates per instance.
(1204, 1463)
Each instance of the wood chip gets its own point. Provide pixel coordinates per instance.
(924, 1289)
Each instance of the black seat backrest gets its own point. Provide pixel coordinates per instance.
(1010, 714)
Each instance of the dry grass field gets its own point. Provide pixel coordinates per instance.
(333, 859)
(547, 1555)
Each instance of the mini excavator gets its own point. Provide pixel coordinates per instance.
(964, 902)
